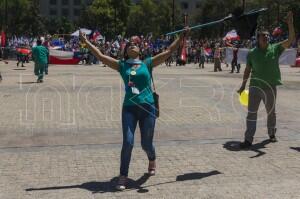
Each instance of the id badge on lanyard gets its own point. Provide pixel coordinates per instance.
(131, 85)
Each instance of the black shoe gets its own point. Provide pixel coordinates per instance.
(245, 145)
(273, 138)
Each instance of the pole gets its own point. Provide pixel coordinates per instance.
(6, 17)
(173, 15)
(197, 26)
(216, 22)
(243, 5)
(185, 19)
(278, 13)
(1, 18)
(115, 20)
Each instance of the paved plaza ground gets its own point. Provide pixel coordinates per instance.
(62, 138)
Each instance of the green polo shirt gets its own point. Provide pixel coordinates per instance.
(265, 66)
(141, 80)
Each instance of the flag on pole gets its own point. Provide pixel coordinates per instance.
(96, 36)
(231, 36)
(3, 39)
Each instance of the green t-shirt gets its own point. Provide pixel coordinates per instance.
(265, 66)
(40, 54)
(141, 81)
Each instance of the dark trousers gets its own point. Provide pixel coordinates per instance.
(256, 95)
(217, 64)
(235, 64)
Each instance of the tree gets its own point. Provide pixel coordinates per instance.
(164, 16)
(212, 10)
(121, 12)
(23, 17)
(106, 15)
(152, 16)
(142, 18)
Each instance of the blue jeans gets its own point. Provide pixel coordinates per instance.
(131, 115)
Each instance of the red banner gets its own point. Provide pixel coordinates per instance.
(183, 51)
(3, 39)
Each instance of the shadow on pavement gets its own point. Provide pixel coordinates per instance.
(196, 176)
(295, 148)
(26, 82)
(235, 146)
(101, 187)
(109, 186)
(19, 69)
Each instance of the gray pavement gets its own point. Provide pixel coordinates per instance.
(62, 138)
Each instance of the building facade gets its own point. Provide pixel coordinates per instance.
(71, 8)
(62, 8)
(189, 7)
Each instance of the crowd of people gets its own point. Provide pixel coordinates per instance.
(135, 58)
(140, 101)
(198, 51)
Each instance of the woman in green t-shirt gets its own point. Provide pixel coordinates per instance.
(138, 105)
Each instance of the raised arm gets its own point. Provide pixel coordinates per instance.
(287, 43)
(162, 57)
(107, 60)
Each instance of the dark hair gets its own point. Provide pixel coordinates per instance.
(39, 42)
(125, 55)
(262, 32)
(258, 33)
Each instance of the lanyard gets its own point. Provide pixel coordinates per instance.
(132, 73)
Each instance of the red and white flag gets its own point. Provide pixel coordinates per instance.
(232, 36)
(96, 36)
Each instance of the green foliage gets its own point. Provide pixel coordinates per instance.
(58, 25)
(142, 18)
(23, 17)
(150, 16)
(211, 10)
(114, 17)
(109, 16)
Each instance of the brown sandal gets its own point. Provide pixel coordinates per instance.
(151, 168)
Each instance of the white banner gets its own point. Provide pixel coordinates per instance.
(288, 57)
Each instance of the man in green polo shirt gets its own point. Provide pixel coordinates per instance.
(40, 57)
(263, 65)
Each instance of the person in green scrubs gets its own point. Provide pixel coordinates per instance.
(40, 57)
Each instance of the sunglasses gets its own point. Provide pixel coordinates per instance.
(264, 34)
(133, 44)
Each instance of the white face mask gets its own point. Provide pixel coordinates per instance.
(133, 61)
